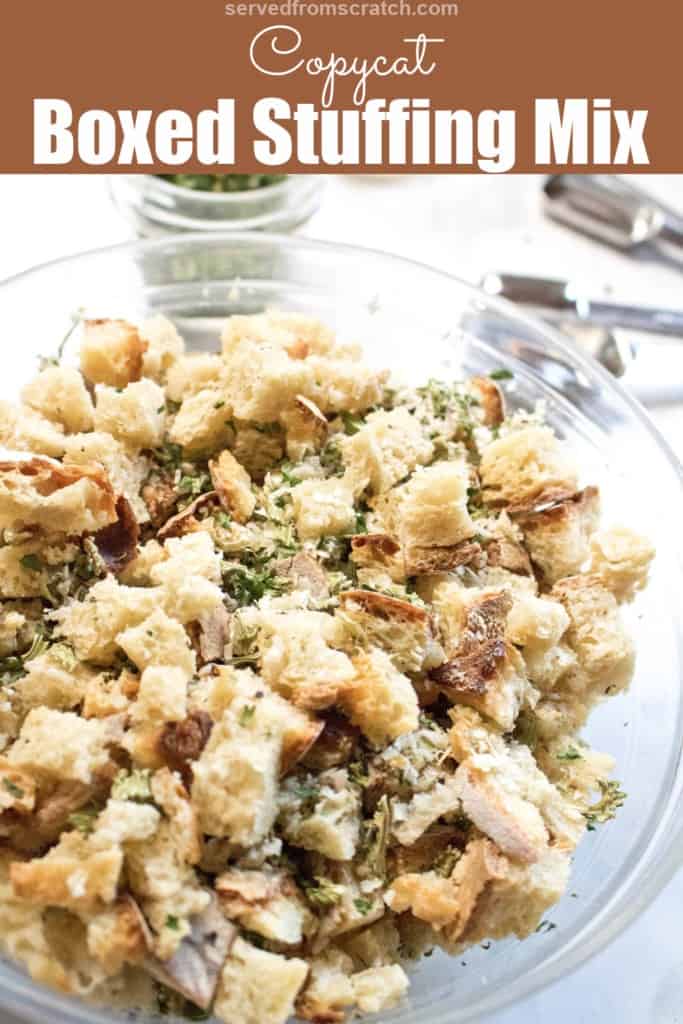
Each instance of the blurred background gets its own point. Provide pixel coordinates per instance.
(470, 226)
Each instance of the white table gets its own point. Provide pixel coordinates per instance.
(468, 225)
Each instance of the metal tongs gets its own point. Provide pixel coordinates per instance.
(610, 209)
(563, 302)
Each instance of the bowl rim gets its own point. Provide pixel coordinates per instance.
(30, 999)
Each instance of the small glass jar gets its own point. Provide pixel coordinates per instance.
(159, 207)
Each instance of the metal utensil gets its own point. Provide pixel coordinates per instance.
(612, 210)
(562, 302)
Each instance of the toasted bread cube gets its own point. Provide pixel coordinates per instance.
(447, 904)
(162, 696)
(126, 470)
(509, 798)
(117, 937)
(513, 823)
(517, 902)
(59, 394)
(378, 551)
(534, 621)
(135, 415)
(332, 825)
(323, 508)
(92, 625)
(257, 450)
(189, 576)
(262, 381)
(60, 745)
(233, 484)
(258, 987)
(344, 385)
(621, 558)
(54, 683)
(192, 555)
(400, 628)
(106, 696)
(387, 448)
(329, 990)
(425, 808)
(55, 498)
(111, 352)
(163, 347)
(193, 373)
(380, 700)
(520, 465)
(266, 902)
(557, 538)
(295, 333)
(124, 821)
(158, 640)
(379, 988)
(203, 422)
(75, 875)
(299, 663)
(430, 510)
(24, 430)
(596, 633)
(235, 779)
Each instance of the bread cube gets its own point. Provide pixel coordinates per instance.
(24, 430)
(596, 633)
(235, 779)
(55, 498)
(111, 352)
(557, 532)
(93, 625)
(192, 373)
(60, 745)
(59, 394)
(258, 987)
(126, 470)
(203, 422)
(233, 484)
(521, 464)
(135, 415)
(158, 640)
(379, 699)
(163, 347)
(330, 826)
(323, 508)
(298, 661)
(621, 559)
(387, 448)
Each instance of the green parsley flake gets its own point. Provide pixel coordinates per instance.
(12, 788)
(31, 562)
(362, 905)
(84, 821)
(134, 785)
(322, 892)
(571, 754)
(606, 808)
(247, 713)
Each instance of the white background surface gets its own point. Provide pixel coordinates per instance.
(467, 225)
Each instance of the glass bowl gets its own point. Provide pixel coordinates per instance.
(425, 323)
(156, 207)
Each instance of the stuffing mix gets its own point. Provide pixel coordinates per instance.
(293, 666)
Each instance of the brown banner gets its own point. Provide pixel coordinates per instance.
(146, 57)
